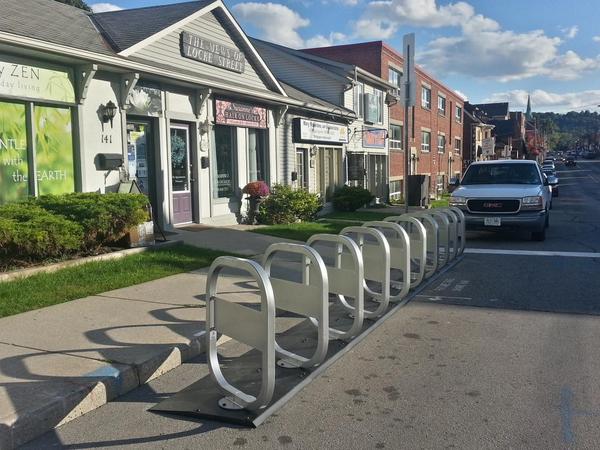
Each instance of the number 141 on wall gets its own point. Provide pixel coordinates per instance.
(106, 138)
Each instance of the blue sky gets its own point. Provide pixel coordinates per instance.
(488, 50)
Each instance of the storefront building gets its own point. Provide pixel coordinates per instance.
(186, 107)
(357, 152)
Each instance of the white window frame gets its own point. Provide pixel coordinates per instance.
(425, 147)
(442, 105)
(458, 150)
(359, 99)
(443, 147)
(426, 99)
(396, 144)
(458, 114)
(397, 74)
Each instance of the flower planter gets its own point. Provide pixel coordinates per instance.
(253, 206)
(140, 236)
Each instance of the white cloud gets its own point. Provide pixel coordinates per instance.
(596, 39)
(570, 32)
(104, 7)
(483, 49)
(280, 24)
(277, 23)
(549, 101)
(461, 94)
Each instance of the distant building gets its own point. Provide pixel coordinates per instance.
(477, 133)
(436, 128)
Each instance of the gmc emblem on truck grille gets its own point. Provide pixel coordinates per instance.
(492, 205)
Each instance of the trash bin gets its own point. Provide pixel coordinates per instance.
(418, 190)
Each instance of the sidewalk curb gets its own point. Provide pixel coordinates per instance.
(113, 380)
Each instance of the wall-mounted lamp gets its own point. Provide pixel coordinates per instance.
(109, 111)
(313, 150)
(203, 128)
(414, 157)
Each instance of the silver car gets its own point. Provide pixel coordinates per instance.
(505, 194)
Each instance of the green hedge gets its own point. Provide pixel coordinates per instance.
(288, 205)
(28, 233)
(105, 218)
(350, 198)
(56, 226)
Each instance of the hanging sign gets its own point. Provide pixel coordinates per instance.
(211, 52)
(240, 114)
(20, 77)
(374, 138)
(305, 130)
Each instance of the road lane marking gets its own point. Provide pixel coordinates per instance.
(490, 251)
(438, 298)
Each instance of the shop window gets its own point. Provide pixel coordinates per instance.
(329, 165)
(441, 144)
(258, 155)
(396, 137)
(396, 189)
(426, 97)
(425, 141)
(13, 153)
(54, 150)
(53, 156)
(301, 171)
(225, 169)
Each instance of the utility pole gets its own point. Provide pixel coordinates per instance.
(408, 97)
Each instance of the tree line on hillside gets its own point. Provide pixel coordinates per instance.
(77, 4)
(571, 130)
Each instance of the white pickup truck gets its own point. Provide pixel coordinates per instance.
(505, 194)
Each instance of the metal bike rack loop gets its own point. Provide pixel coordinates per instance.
(345, 279)
(309, 298)
(417, 235)
(399, 243)
(246, 325)
(453, 220)
(461, 229)
(432, 244)
(376, 260)
(443, 240)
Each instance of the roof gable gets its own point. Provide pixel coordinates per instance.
(116, 26)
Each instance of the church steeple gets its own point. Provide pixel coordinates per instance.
(528, 111)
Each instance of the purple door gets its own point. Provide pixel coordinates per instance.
(181, 185)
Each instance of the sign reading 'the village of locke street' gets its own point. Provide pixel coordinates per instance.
(211, 52)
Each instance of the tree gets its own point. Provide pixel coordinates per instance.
(77, 4)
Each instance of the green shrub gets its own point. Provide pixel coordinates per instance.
(287, 205)
(105, 218)
(28, 233)
(350, 198)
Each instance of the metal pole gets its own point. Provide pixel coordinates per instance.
(406, 143)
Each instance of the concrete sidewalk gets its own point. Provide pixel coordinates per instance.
(63, 361)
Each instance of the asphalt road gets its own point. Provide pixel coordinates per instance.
(501, 351)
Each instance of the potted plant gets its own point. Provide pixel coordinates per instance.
(256, 192)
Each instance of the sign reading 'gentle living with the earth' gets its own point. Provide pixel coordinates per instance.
(213, 53)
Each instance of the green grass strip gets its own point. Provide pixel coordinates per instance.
(359, 216)
(96, 277)
(302, 231)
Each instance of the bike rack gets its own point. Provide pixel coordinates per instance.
(461, 229)
(433, 238)
(309, 298)
(418, 244)
(443, 235)
(453, 243)
(399, 243)
(376, 261)
(246, 325)
(345, 279)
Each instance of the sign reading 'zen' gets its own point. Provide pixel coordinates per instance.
(213, 53)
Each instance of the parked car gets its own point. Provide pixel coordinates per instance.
(570, 161)
(511, 194)
(549, 164)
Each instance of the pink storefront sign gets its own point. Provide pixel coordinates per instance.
(240, 114)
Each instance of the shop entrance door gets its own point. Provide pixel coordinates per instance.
(181, 174)
(140, 159)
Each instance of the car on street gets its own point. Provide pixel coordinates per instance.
(552, 181)
(570, 161)
(507, 194)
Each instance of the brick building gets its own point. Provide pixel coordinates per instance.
(436, 133)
